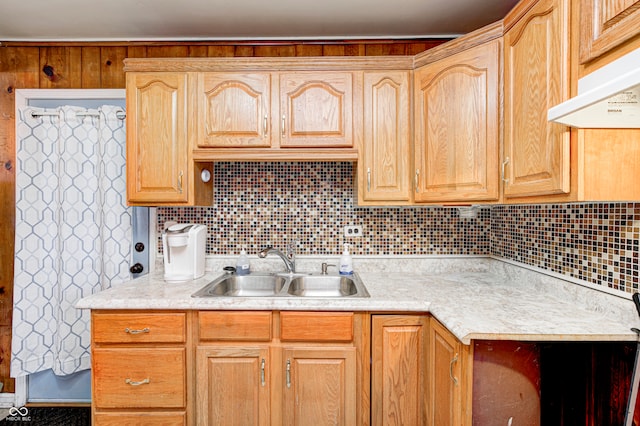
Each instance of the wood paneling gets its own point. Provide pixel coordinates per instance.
(99, 65)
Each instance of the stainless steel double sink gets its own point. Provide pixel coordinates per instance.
(262, 284)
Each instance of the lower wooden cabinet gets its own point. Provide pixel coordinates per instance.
(399, 369)
(140, 364)
(320, 386)
(233, 385)
(301, 368)
(449, 366)
(302, 371)
(140, 419)
(421, 373)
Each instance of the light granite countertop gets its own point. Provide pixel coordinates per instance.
(474, 297)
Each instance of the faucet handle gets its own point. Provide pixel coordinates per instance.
(291, 249)
(325, 266)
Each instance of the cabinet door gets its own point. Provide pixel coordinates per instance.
(234, 110)
(398, 377)
(384, 167)
(536, 74)
(319, 386)
(604, 24)
(448, 390)
(157, 144)
(232, 385)
(316, 110)
(457, 127)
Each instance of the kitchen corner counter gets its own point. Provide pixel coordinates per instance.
(474, 297)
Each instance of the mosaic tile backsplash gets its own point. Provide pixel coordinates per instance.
(594, 242)
(260, 204)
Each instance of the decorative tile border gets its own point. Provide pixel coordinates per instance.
(260, 204)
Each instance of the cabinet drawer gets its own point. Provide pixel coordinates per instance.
(238, 326)
(139, 377)
(140, 419)
(316, 326)
(139, 328)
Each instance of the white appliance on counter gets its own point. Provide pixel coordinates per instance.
(183, 251)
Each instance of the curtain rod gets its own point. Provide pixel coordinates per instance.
(119, 114)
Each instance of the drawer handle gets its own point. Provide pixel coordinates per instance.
(262, 381)
(134, 383)
(369, 179)
(453, 361)
(288, 373)
(132, 331)
(283, 125)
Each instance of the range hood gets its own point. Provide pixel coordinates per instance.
(607, 98)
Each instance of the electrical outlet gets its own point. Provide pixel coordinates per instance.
(351, 231)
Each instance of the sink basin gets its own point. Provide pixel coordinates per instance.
(262, 284)
(253, 285)
(322, 286)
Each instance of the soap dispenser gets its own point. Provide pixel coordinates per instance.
(243, 266)
(346, 262)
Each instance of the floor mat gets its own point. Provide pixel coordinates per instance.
(48, 416)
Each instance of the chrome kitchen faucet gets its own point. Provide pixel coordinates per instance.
(289, 259)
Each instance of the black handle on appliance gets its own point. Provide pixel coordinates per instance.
(636, 300)
(136, 269)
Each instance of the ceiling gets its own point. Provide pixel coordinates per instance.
(189, 20)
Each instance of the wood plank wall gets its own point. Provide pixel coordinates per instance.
(92, 65)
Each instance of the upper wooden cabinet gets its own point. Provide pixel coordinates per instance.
(157, 142)
(457, 127)
(384, 157)
(316, 109)
(536, 77)
(234, 110)
(275, 110)
(605, 24)
(160, 170)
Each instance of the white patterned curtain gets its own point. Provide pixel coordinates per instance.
(73, 231)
